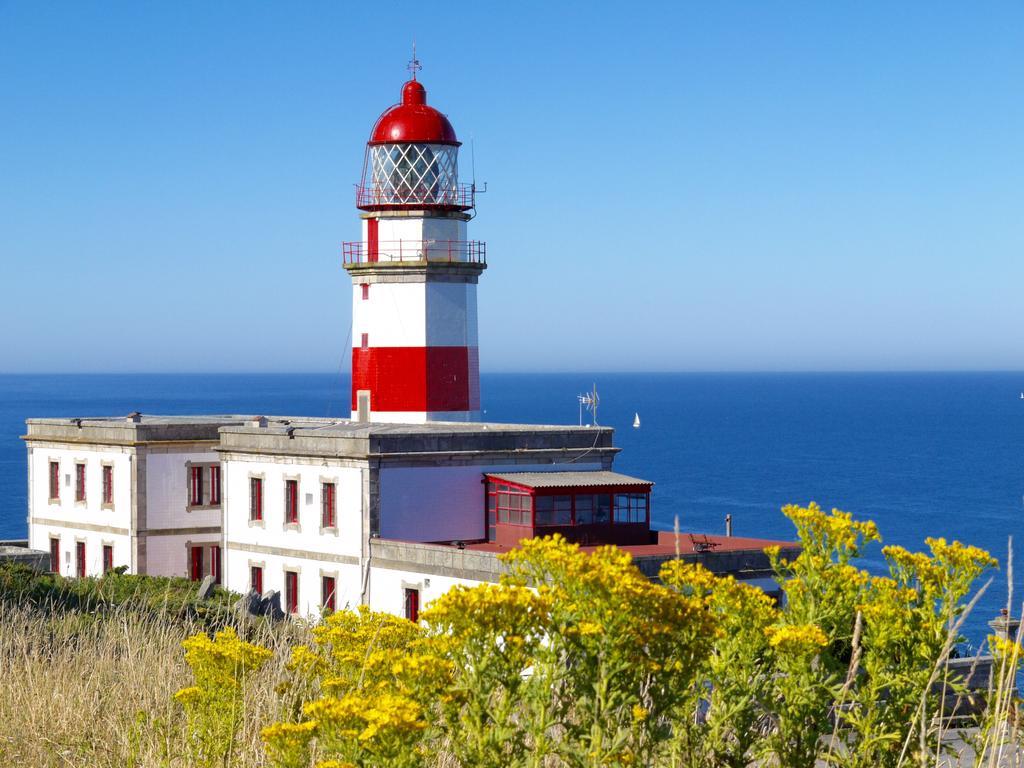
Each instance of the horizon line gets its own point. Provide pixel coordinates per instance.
(580, 372)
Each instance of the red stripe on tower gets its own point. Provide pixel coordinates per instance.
(414, 379)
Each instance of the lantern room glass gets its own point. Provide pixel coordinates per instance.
(404, 174)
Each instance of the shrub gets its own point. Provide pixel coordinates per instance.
(214, 704)
(576, 659)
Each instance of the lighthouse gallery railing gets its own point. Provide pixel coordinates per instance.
(458, 196)
(443, 251)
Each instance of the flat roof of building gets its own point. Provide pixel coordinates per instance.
(143, 418)
(350, 428)
(455, 441)
(576, 479)
(320, 425)
(130, 429)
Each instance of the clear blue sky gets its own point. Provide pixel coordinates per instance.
(677, 186)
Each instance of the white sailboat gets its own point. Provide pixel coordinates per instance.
(636, 421)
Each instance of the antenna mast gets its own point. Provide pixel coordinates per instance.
(590, 400)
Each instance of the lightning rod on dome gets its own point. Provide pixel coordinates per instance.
(414, 65)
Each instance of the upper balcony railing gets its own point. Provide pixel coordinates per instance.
(412, 251)
(373, 197)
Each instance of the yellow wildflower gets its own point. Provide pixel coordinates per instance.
(797, 640)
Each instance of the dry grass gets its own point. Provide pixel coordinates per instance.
(82, 690)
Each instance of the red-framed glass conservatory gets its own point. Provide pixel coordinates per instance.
(595, 507)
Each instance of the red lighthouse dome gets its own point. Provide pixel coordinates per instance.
(413, 121)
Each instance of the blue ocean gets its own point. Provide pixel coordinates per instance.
(937, 454)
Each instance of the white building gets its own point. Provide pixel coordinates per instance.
(139, 491)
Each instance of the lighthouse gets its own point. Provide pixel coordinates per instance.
(414, 272)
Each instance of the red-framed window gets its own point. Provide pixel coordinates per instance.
(195, 486)
(412, 604)
(108, 484)
(215, 563)
(195, 566)
(256, 579)
(108, 558)
(592, 508)
(553, 510)
(511, 505)
(80, 559)
(255, 498)
(80, 481)
(366, 291)
(54, 480)
(328, 508)
(365, 341)
(291, 501)
(631, 507)
(215, 484)
(55, 555)
(291, 591)
(328, 597)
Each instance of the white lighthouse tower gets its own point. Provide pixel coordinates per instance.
(414, 273)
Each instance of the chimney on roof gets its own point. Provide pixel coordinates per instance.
(259, 421)
(134, 417)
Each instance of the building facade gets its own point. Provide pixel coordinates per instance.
(138, 491)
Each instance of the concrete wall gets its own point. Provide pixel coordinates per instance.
(421, 417)
(170, 555)
(415, 314)
(33, 558)
(90, 521)
(442, 503)
(413, 230)
(429, 568)
(150, 500)
(168, 526)
(451, 315)
(167, 491)
(305, 547)
(387, 590)
(94, 542)
(392, 315)
(310, 571)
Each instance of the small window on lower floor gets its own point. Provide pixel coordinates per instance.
(215, 563)
(412, 604)
(195, 565)
(80, 559)
(256, 579)
(291, 592)
(108, 558)
(55, 555)
(327, 594)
